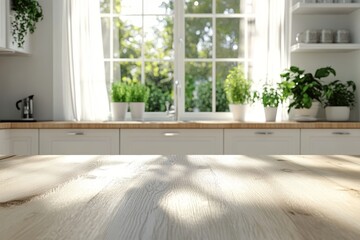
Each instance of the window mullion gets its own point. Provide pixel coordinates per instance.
(111, 60)
(179, 45)
(214, 57)
(142, 43)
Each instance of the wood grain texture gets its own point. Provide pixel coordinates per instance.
(182, 125)
(180, 197)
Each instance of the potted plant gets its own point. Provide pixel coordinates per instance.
(238, 93)
(305, 90)
(270, 98)
(119, 99)
(26, 13)
(138, 95)
(338, 98)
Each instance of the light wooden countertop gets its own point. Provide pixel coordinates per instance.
(180, 197)
(181, 125)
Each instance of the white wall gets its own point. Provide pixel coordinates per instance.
(21, 76)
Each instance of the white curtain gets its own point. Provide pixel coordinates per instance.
(271, 50)
(82, 75)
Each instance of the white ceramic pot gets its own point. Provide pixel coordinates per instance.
(238, 111)
(337, 113)
(118, 110)
(137, 111)
(310, 113)
(270, 114)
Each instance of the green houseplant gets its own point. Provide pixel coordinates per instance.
(270, 98)
(27, 13)
(238, 92)
(119, 99)
(338, 98)
(138, 96)
(304, 89)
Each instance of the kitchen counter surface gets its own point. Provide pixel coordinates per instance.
(180, 197)
(180, 125)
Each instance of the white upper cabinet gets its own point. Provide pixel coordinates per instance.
(6, 40)
(3, 24)
(318, 16)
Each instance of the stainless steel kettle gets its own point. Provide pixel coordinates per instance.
(26, 106)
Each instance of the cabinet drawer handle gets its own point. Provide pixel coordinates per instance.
(264, 133)
(75, 133)
(341, 133)
(171, 134)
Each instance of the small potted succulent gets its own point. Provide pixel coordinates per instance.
(305, 90)
(138, 96)
(238, 93)
(338, 98)
(270, 98)
(119, 100)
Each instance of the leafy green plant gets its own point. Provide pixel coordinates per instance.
(138, 92)
(337, 93)
(119, 92)
(270, 97)
(303, 87)
(26, 14)
(237, 87)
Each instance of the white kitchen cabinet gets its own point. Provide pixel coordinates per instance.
(323, 16)
(171, 141)
(4, 141)
(6, 39)
(79, 141)
(24, 141)
(330, 141)
(2, 24)
(262, 141)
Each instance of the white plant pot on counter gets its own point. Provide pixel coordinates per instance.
(270, 114)
(337, 113)
(137, 111)
(307, 113)
(118, 110)
(238, 111)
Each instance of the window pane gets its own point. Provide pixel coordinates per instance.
(158, 6)
(234, 6)
(159, 78)
(198, 87)
(128, 6)
(127, 37)
(229, 38)
(159, 37)
(105, 25)
(222, 70)
(104, 6)
(198, 6)
(127, 70)
(198, 37)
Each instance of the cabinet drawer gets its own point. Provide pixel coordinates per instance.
(330, 141)
(24, 141)
(171, 141)
(79, 141)
(262, 141)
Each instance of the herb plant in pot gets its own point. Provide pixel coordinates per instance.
(138, 96)
(119, 97)
(270, 98)
(338, 98)
(238, 93)
(305, 90)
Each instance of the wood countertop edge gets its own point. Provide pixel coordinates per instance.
(181, 125)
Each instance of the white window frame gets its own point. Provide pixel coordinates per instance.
(179, 60)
